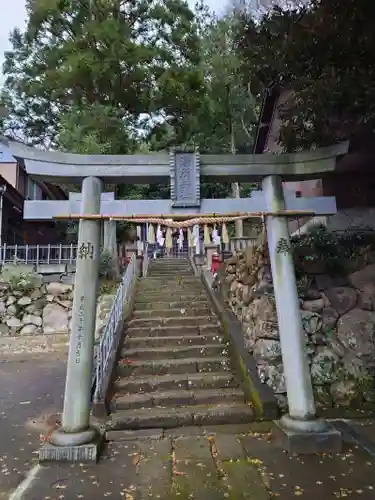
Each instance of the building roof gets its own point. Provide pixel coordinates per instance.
(270, 97)
(356, 160)
(7, 157)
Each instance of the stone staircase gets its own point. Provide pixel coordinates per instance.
(174, 370)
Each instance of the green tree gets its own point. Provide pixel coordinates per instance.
(325, 52)
(104, 65)
(225, 120)
(230, 105)
(229, 113)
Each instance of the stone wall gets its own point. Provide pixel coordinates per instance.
(31, 308)
(338, 318)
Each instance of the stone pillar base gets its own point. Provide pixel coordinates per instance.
(300, 442)
(84, 453)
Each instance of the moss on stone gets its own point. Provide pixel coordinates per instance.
(243, 481)
(108, 287)
(251, 394)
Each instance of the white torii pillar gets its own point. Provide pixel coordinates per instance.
(75, 440)
(300, 430)
(108, 236)
(109, 227)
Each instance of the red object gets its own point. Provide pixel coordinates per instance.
(215, 264)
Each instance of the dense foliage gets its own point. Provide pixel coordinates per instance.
(102, 67)
(325, 52)
(125, 76)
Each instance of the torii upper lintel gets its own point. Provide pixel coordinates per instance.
(156, 167)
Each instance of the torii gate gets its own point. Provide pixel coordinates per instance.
(184, 170)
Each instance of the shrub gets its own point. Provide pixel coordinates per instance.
(20, 278)
(106, 264)
(335, 249)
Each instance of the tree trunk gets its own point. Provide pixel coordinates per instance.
(236, 187)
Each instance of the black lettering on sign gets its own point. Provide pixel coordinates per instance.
(80, 327)
(86, 251)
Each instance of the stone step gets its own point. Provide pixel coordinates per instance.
(162, 265)
(181, 321)
(171, 277)
(170, 260)
(128, 366)
(172, 313)
(170, 280)
(171, 268)
(166, 331)
(169, 263)
(169, 418)
(188, 271)
(171, 304)
(166, 295)
(172, 341)
(165, 277)
(169, 286)
(166, 292)
(177, 398)
(174, 352)
(187, 381)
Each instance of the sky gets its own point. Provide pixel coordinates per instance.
(14, 15)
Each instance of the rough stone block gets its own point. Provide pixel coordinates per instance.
(308, 443)
(85, 453)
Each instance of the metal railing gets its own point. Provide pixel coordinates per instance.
(106, 351)
(67, 254)
(38, 254)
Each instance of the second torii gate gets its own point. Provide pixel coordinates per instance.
(184, 170)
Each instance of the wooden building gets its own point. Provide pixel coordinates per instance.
(16, 187)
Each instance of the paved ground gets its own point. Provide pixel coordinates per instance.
(218, 465)
(30, 391)
(230, 462)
